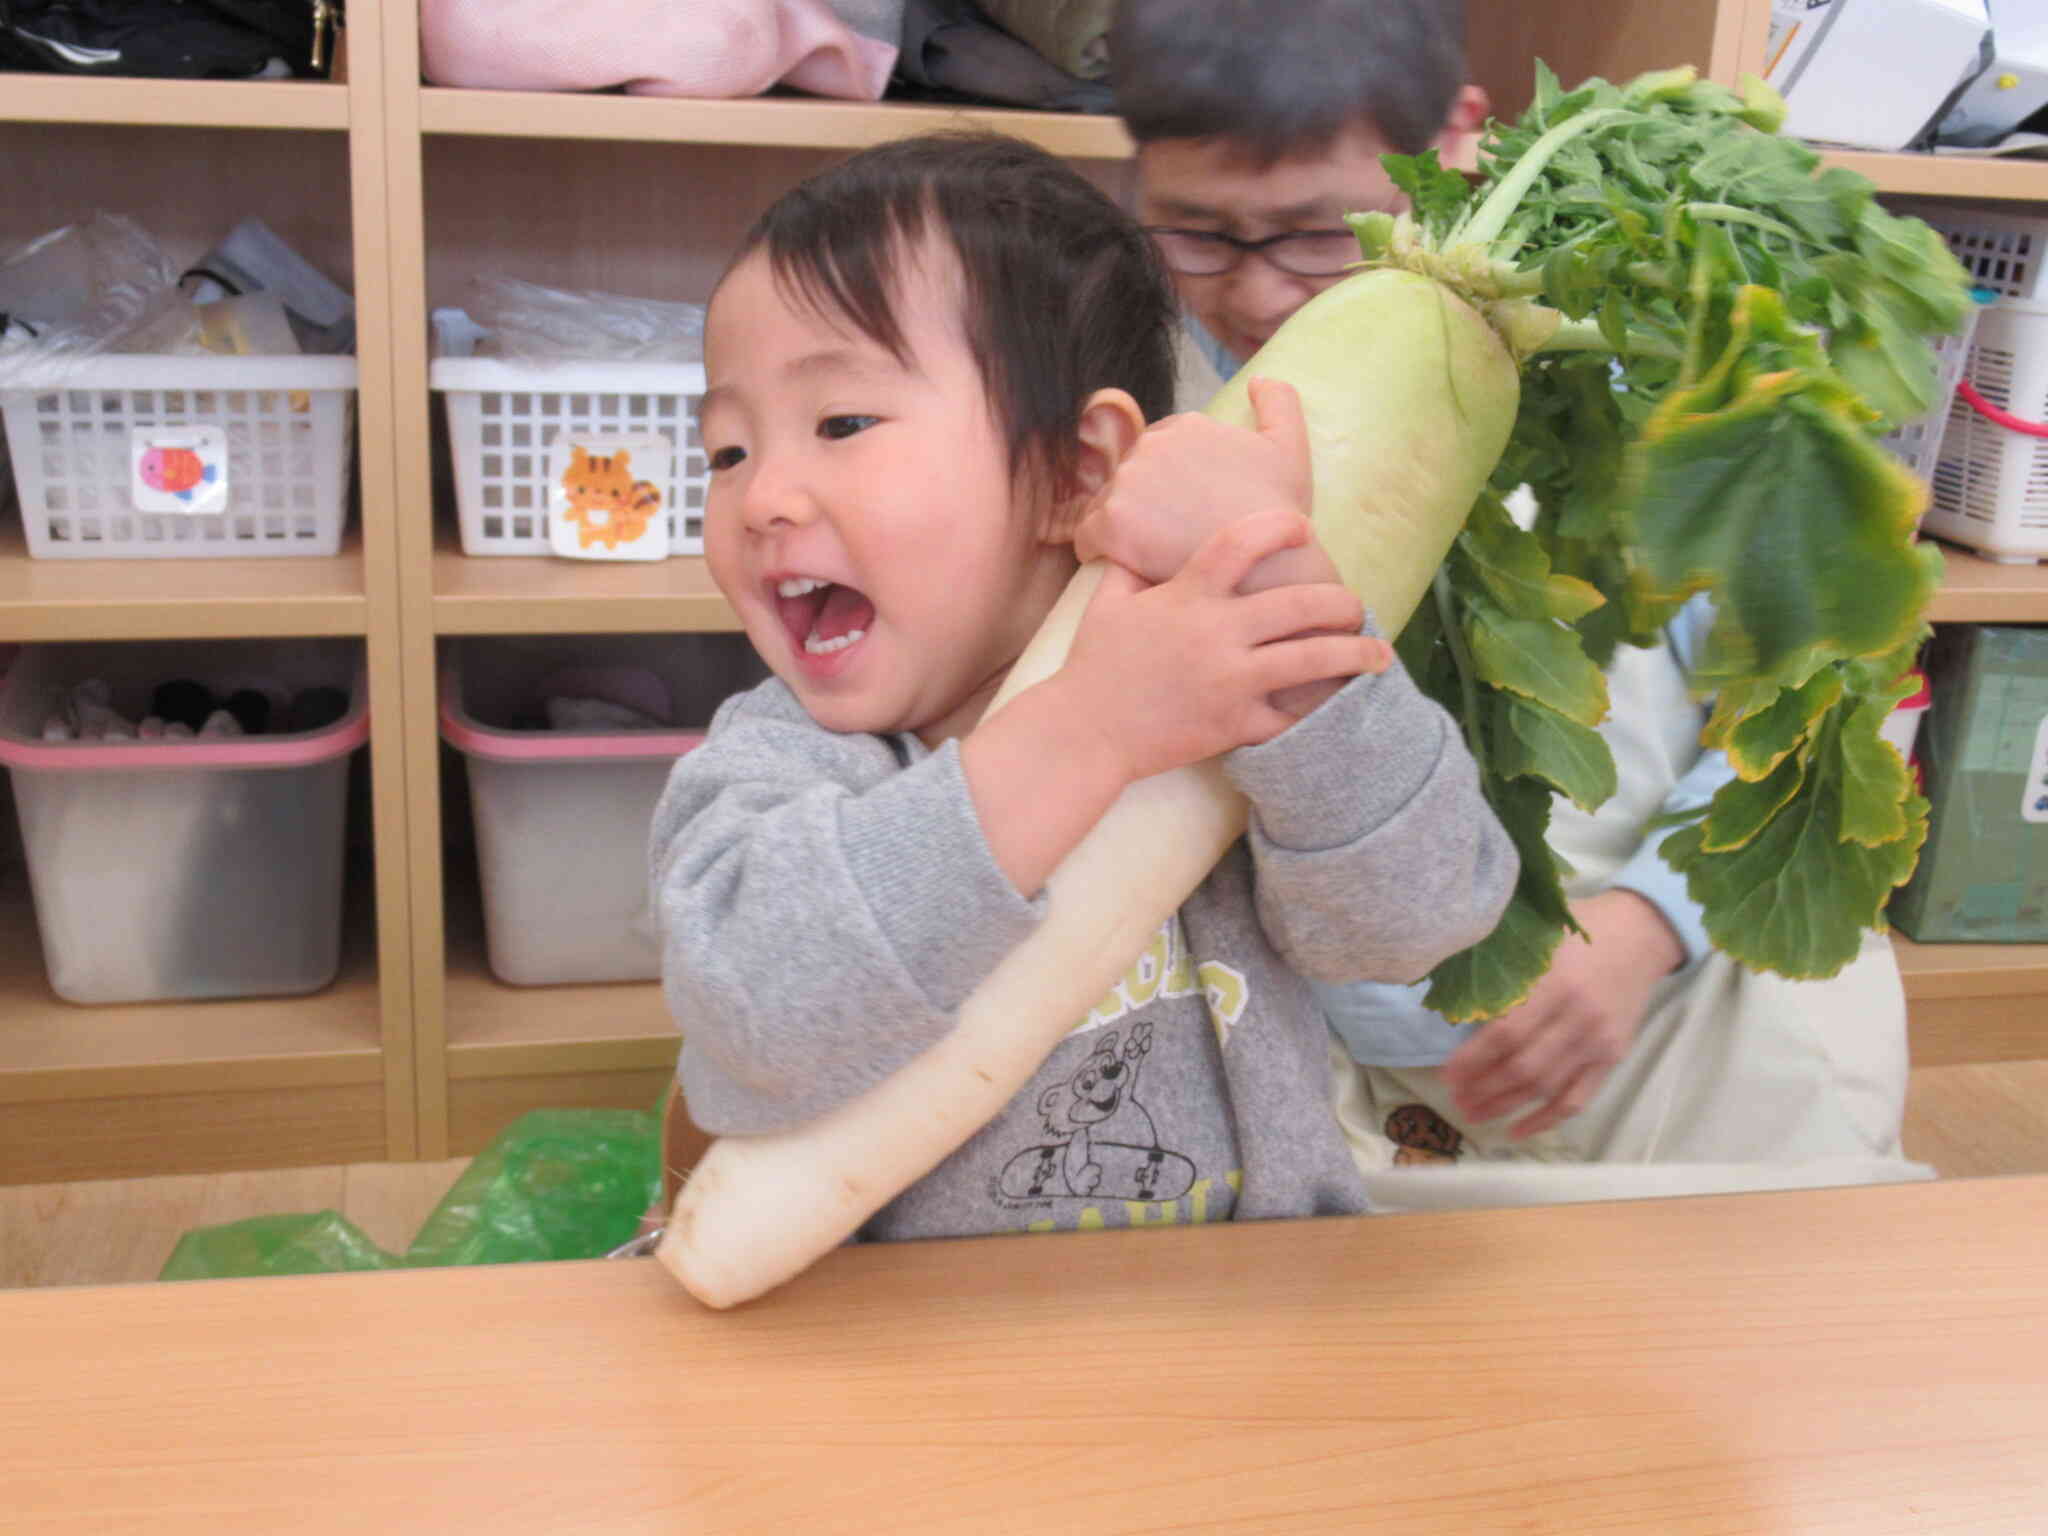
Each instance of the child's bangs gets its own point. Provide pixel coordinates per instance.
(841, 260)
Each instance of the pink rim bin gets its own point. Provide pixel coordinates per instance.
(562, 815)
(183, 869)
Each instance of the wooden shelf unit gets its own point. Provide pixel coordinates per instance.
(1977, 590)
(304, 104)
(166, 599)
(150, 1088)
(432, 187)
(97, 1092)
(1974, 177)
(787, 122)
(1975, 1002)
(511, 595)
(510, 1049)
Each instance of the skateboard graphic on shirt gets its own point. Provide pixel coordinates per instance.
(1112, 1171)
(1099, 1100)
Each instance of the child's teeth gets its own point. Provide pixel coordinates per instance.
(798, 586)
(819, 647)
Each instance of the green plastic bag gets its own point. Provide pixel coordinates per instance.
(315, 1243)
(555, 1184)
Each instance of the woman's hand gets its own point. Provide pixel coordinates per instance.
(1557, 1047)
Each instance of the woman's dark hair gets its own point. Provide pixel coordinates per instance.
(1285, 77)
(1063, 293)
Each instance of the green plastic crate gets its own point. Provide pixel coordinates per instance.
(1983, 875)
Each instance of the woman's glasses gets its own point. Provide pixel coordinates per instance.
(1300, 252)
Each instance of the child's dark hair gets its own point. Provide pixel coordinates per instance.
(1284, 77)
(1063, 292)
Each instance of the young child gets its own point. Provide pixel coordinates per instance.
(927, 367)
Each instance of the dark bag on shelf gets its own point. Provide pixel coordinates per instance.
(170, 39)
(952, 52)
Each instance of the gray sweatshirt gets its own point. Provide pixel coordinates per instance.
(828, 901)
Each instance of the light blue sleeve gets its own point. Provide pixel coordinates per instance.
(1224, 364)
(1646, 873)
(1387, 1025)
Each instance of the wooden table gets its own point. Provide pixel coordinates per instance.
(1862, 1361)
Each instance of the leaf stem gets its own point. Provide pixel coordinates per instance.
(1586, 336)
(1461, 657)
(1491, 217)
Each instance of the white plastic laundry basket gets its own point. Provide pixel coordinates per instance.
(286, 423)
(183, 869)
(504, 417)
(1989, 482)
(1918, 442)
(562, 817)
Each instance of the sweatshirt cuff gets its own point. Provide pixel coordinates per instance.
(1346, 767)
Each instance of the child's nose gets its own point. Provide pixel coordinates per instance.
(776, 498)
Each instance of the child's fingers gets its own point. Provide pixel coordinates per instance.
(1279, 612)
(1118, 581)
(1276, 406)
(1312, 659)
(1227, 556)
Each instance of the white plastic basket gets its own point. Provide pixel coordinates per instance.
(287, 424)
(1918, 443)
(2005, 252)
(1989, 484)
(504, 417)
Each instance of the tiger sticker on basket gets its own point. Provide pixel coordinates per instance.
(606, 500)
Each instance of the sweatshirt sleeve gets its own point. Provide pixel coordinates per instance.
(824, 911)
(1376, 856)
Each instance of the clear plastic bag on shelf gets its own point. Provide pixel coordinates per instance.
(252, 265)
(531, 324)
(100, 285)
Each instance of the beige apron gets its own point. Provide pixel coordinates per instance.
(1737, 1080)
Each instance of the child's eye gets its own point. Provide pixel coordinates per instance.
(726, 458)
(834, 428)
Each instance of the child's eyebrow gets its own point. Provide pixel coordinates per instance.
(843, 361)
(828, 360)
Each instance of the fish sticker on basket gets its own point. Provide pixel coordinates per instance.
(607, 498)
(178, 469)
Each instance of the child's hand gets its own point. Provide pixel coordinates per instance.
(1176, 673)
(1190, 476)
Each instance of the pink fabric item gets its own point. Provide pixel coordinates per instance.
(700, 48)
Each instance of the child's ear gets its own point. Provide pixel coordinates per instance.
(1457, 141)
(1110, 427)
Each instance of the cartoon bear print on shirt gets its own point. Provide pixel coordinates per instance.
(1105, 1146)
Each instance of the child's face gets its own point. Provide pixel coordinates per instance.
(862, 518)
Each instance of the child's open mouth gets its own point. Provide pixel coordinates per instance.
(822, 617)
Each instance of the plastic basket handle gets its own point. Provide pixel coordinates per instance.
(1999, 414)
